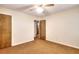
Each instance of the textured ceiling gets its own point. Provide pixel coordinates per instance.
(29, 8)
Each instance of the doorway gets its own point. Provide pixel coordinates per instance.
(40, 29)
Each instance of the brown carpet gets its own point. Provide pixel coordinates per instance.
(40, 47)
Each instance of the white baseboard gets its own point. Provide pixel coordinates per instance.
(73, 46)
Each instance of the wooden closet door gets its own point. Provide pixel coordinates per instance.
(43, 29)
(5, 33)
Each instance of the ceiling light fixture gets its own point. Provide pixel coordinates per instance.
(39, 10)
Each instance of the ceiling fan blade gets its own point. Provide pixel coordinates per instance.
(49, 5)
(26, 7)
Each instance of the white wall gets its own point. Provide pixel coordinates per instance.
(22, 26)
(63, 27)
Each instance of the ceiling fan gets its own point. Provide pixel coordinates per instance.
(33, 6)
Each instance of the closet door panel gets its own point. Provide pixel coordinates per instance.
(5, 31)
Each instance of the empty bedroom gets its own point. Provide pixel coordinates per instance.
(39, 29)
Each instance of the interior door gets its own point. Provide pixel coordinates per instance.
(43, 29)
(5, 33)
